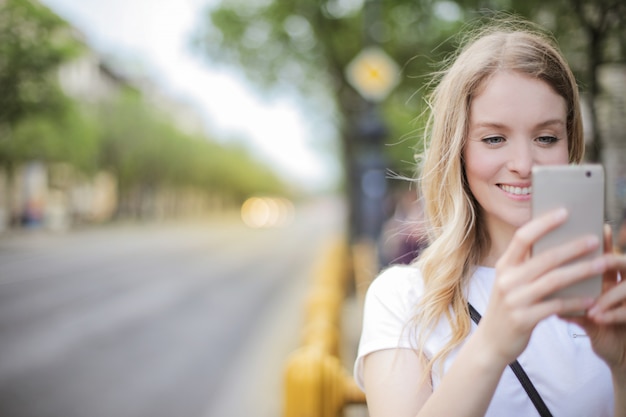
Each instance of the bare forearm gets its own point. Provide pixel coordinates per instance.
(471, 382)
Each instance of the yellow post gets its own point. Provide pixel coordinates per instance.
(317, 385)
(324, 300)
(323, 333)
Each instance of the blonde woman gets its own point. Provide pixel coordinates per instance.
(507, 102)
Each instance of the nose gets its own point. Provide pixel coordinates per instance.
(521, 159)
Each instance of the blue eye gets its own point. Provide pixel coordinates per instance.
(493, 140)
(547, 140)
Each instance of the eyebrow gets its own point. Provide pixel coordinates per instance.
(497, 125)
(552, 122)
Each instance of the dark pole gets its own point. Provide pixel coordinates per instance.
(372, 186)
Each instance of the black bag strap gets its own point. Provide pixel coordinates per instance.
(519, 372)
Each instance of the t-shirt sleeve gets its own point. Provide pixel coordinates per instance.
(388, 310)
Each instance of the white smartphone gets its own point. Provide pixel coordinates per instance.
(580, 189)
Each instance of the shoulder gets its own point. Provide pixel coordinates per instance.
(389, 307)
(399, 281)
(395, 291)
(397, 277)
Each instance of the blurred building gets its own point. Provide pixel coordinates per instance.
(182, 113)
(89, 79)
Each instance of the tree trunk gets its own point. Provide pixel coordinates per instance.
(594, 147)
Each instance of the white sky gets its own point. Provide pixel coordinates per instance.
(155, 34)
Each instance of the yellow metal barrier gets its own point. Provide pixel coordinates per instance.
(316, 383)
(324, 334)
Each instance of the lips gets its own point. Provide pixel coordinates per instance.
(511, 189)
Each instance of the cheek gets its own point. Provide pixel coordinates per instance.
(478, 182)
(479, 166)
(559, 155)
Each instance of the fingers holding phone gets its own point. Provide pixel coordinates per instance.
(610, 307)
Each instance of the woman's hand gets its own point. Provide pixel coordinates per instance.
(605, 322)
(518, 300)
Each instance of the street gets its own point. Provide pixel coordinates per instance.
(178, 319)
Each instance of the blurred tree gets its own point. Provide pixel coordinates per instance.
(71, 136)
(308, 44)
(126, 136)
(33, 43)
(147, 153)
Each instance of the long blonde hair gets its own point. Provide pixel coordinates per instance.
(458, 240)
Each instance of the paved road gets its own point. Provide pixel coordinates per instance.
(186, 319)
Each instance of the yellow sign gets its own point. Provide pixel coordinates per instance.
(373, 74)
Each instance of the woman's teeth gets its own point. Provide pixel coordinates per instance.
(517, 190)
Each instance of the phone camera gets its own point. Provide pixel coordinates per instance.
(588, 174)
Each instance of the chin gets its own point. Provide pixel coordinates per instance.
(517, 218)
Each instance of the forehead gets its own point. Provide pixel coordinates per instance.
(512, 97)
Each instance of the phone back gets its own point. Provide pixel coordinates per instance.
(580, 189)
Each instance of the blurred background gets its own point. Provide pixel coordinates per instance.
(173, 173)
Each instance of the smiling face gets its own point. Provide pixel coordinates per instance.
(515, 122)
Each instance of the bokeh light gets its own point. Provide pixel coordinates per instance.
(267, 212)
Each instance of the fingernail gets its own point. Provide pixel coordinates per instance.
(593, 311)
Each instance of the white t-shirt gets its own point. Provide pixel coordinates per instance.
(559, 361)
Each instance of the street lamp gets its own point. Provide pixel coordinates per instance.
(373, 74)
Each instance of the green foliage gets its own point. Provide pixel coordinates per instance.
(143, 148)
(308, 44)
(33, 43)
(71, 136)
(126, 135)
(36, 118)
